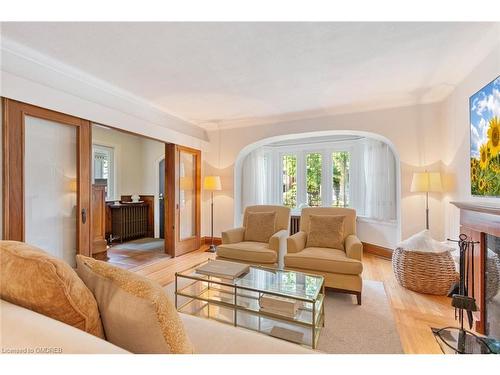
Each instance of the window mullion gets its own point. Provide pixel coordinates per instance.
(301, 178)
(326, 180)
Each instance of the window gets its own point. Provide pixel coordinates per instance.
(355, 172)
(313, 176)
(340, 178)
(289, 181)
(104, 168)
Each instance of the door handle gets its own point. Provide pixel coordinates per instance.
(84, 215)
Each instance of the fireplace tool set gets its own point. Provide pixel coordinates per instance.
(458, 339)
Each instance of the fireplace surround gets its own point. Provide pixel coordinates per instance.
(481, 222)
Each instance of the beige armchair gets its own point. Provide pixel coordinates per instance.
(341, 267)
(237, 247)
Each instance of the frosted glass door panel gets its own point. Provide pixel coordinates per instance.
(187, 195)
(50, 185)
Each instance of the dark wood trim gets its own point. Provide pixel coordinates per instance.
(14, 114)
(377, 250)
(192, 243)
(169, 199)
(207, 240)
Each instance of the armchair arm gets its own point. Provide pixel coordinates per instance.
(297, 242)
(354, 247)
(233, 235)
(278, 240)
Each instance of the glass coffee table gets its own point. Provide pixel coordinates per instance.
(236, 302)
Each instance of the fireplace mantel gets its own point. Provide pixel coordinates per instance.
(485, 207)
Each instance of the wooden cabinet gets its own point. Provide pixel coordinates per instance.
(98, 222)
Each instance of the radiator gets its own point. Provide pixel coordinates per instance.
(294, 224)
(129, 221)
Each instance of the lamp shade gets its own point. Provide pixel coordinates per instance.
(424, 182)
(212, 183)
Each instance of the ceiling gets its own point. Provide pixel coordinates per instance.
(231, 73)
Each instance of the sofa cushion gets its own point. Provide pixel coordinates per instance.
(211, 337)
(324, 260)
(349, 213)
(282, 214)
(25, 331)
(248, 251)
(33, 279)
(326, 231)
(260, 226)
(135, 311)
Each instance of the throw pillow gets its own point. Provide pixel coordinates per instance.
(326, 231)
(35, 280)
(136, 313)
(260, 226)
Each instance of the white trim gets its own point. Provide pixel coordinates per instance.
(238, 210)
(35, 78)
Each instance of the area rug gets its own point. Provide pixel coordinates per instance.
(142, 244)
(353, 329)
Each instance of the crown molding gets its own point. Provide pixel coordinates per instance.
(26, 63)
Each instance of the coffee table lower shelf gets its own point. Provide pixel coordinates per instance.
(240, 307)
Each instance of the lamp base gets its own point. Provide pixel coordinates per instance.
(211, 249)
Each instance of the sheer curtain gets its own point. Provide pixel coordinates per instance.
(380, 181)
(254, 184)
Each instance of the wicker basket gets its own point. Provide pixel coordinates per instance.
(424, 272)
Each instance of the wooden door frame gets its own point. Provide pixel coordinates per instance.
(14, 113)
(172, 241)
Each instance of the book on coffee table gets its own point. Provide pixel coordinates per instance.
(279, 305)
(223, 269)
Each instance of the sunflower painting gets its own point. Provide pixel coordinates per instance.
(485, 140)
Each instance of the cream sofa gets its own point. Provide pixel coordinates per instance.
(235, 248)
(341, 268)
(25, 331)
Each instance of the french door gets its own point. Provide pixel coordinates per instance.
(183, 203)
(46, 170)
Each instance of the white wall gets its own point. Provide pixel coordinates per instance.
(1, 174)
(414, 131)
(136, 163)
(456, 132)
(33, 78)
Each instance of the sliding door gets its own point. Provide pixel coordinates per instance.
(183, 181)
(46, 157)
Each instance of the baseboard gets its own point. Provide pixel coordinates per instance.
(377, 250)
(207, 240)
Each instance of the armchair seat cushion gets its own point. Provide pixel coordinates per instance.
(324, 260)
(248, 251)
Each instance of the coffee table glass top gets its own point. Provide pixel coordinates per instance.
(286, 283)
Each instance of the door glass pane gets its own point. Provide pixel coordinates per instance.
(103, 169)
(51, 187)
(187, 195)
(340, 179)
(313, 175)
(289, 181)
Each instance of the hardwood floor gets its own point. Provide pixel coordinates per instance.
(414, 313)
(136, 253)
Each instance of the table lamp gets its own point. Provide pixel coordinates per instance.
(212, 183)
(426, 182)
